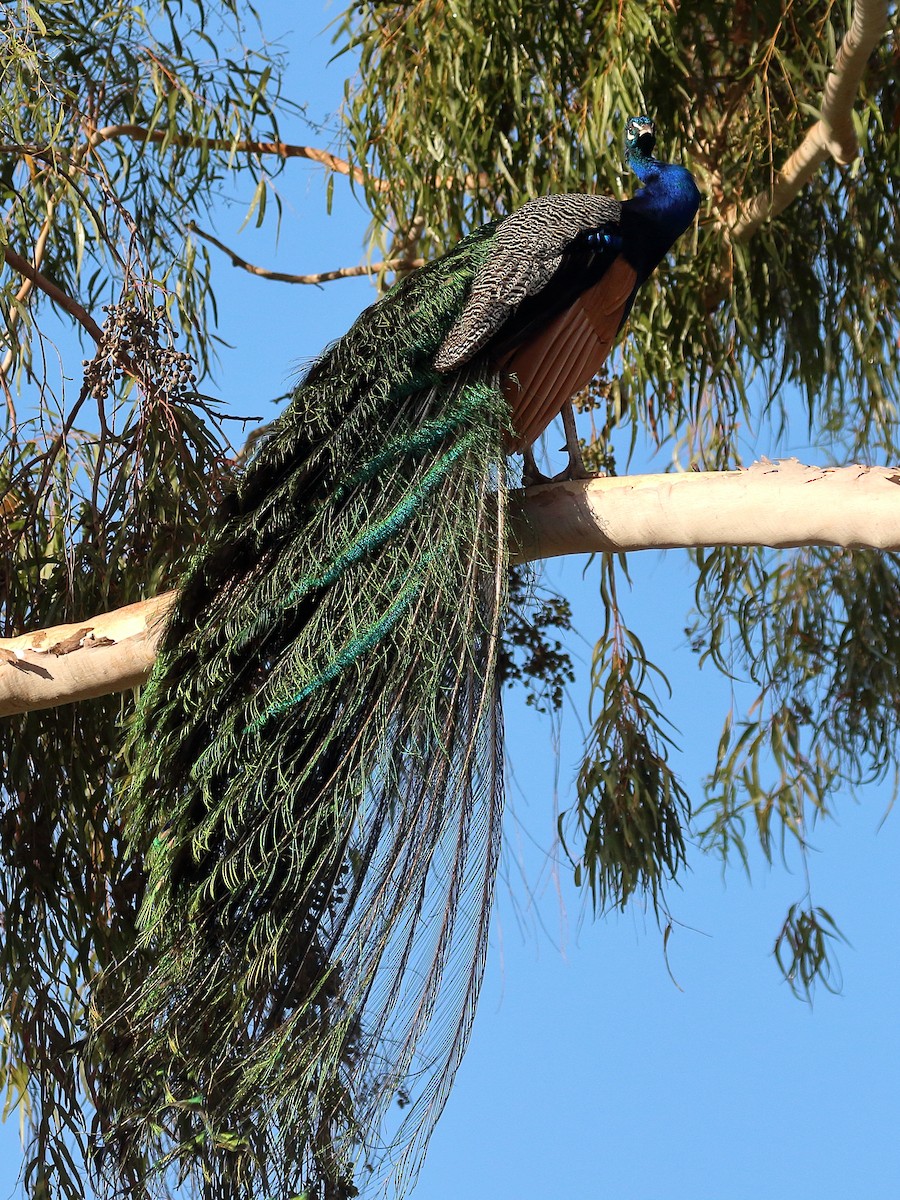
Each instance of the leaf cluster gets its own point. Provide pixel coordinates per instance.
(818, 634)
(466, 109)
(114, 127)
(90, 520)
(631, 811)
(532, 652)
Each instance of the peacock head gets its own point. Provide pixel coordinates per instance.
(640, 136)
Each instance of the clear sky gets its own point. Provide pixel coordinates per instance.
(590, 1072)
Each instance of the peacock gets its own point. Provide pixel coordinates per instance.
(315, 767)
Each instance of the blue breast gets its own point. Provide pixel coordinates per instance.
(658, 213)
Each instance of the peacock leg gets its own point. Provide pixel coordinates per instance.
(531, 473)
(576, 468)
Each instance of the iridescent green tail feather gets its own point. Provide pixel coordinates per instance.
(316, 782)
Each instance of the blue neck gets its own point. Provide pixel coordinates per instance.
(660, 211)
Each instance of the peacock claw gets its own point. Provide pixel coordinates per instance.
(575, 469)
(531, 473)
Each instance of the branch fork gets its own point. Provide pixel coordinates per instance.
(833, 135)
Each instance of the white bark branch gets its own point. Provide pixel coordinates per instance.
(833, 134)
(108, 653)
(779, 504)
(769, 504)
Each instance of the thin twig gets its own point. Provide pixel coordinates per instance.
(405, 245)
(22, 294)
(279, 149)
(470, 182)
(391, 264)
(12, 417)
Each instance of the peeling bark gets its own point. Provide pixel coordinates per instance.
(108, 653)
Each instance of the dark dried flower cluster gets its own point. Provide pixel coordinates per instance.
(137, 341)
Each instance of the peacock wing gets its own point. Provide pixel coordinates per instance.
(531, 273)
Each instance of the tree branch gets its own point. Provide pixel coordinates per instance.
(104, 654)
(770, 504)
(833, 134)
(779, 504)
(279, 149)
(56, 294)
(391, 264)
(22, 294)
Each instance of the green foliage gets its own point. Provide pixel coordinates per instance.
(65, 896)
(827, 711)
(818, 633)
(802, 950)
(90, 521)
(531, 653)
(466, 109)
(133, 119)
(630, 808)
(116, 124)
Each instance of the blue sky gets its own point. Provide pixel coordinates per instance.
(590, 1072)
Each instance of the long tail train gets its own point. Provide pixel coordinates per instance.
(316, 768)
(319, 745)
